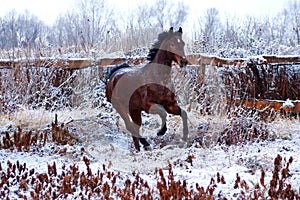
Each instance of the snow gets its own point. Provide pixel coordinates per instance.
(105, 143)
(102, 137)
(288, 103)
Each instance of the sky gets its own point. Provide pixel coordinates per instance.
(48, 10)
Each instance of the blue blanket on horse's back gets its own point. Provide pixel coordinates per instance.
(112, 70)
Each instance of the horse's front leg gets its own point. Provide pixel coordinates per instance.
(183, 115)
(176, 110)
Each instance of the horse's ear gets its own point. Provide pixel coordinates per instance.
(171, 30)
(180, 30)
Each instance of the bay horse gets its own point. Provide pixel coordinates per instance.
(132, 90)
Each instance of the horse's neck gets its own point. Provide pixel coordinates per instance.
(157, 72)
(159, 69)
(162, 58)
(163, 68)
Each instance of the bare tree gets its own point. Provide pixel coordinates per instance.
(29, 29)
(279, 27)
(165, 13)
(96, 19)
(21, 30)
(211, 24)
(9, 31)
(209, 28)
(294, 9)
(148, 19)
(86, 26)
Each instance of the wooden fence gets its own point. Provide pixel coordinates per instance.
(256, 66)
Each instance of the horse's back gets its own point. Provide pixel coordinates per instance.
(114, 76)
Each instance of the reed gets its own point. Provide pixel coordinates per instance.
(70, 182)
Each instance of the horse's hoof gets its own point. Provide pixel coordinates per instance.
(147, 148)
(161, 132)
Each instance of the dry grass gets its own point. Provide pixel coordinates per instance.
(73, 181)
(22, 140)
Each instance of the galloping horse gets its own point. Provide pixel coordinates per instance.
(149, 88)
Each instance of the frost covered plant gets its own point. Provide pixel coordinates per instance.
(74, 181)
(24, 140)
(35, 87)
(244, 126)
(278, 188)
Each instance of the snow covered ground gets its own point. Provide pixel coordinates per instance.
(101, 138)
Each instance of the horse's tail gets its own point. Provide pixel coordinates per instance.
(112, 70)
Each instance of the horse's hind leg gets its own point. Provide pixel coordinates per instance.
(137, 119)
(158, 109)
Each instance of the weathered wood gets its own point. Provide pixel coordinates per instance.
(77, 64)
(71, 63)
(47, 62)
(110, 61)
(282, 59)
(202, 59)
(194, 59)
(277, 105)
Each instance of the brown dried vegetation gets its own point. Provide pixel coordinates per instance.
(105, 184)
(260, 86)
(278, 188)
(34, 86)
(22, 140)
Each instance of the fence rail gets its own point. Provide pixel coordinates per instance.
(194, 59)
(200, 60)
(67, 63)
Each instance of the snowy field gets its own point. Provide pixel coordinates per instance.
(102, 139)
(86, 153)
(61, 139)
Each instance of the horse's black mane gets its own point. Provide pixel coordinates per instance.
(155, 47)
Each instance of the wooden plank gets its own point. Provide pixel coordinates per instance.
(292, 106)
(193, 59)
(71, 63)
(270, 59)
(77, 64)
(202, 59)
(110, 61)
(46, 62)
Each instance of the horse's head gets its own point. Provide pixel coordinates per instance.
(169, 47)
(175, 45)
